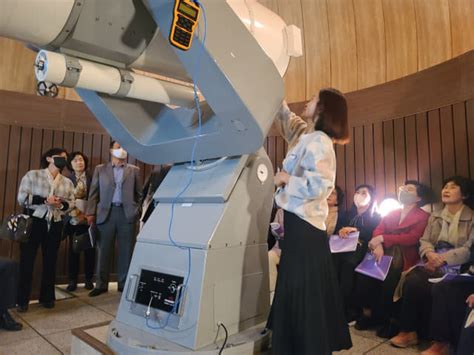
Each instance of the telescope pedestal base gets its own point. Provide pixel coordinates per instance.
(128, 340)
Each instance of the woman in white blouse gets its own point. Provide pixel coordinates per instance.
(307, 314)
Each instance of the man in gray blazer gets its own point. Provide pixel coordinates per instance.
(114, 205)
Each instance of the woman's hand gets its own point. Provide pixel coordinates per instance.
(434, 259)
(378, 253)
(470, 301)
(281, 178)
(90, 219)
(375, 242)
(345, 231)
(53, 201)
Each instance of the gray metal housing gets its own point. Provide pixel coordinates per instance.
(229, 268)
(242, 88)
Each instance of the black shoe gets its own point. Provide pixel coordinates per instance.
(89, 285)
(22, 308)
(365, 323)
(48, 305)
(388, 330)
(352, 315)
(96, 292)
(72, 286)
(8, 323)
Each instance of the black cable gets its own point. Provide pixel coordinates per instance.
(225, 340)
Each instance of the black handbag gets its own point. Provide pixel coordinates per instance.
(83, 239)
(17, 228)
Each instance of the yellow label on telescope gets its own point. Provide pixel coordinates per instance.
(185, 19)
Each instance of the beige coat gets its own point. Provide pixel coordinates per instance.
(461, 252)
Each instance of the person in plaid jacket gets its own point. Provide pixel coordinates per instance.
(46, 196)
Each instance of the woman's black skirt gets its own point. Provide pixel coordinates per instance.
(307, 315)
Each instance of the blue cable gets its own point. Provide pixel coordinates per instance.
(193, 154)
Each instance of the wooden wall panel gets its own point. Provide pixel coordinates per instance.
(271, 151)
(280, 152)
(462, 26)
(470, 134)
(16, 67)
(400, 151)
(422, 142)
(389, 158)
(460, 139)
(343, 48)
(4, 137)
(36, 142)
(379, 159)
(436, 163)
(370, 31)
(433, 32)
(341, 167)
(350, 171)
(400, 34)
(317, 48)
(447, 141)
(359, 156)
(295, 78)
(369, 155)
(411, 148)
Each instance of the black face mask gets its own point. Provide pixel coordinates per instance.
(60, 162)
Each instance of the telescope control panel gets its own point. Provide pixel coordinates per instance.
(159, 290)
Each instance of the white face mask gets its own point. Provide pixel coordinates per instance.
(407, 198)
(119, 153)
(361, 200)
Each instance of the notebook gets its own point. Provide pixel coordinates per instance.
(371, 268)
(344, 245)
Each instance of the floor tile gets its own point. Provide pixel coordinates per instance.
(360, 345)
(33, 346)
(108, 302)
(100, 333)
(68, 314)
(387, 349)
(368, 334)
(61, 340)
(7, 337)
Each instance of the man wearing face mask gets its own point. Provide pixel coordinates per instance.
(114, 205)
(46, 196)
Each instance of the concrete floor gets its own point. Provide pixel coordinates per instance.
(48, 332)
